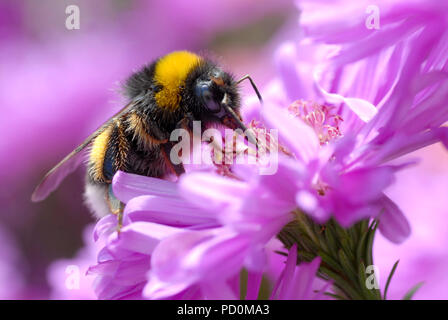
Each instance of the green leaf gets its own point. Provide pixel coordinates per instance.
(305, 256)
(347, 266)
(347, 247)
(265, 289)
(370, 294)
(336, 296)
(369, 249)
(389, 278)
(243, 283)
(302, 219)
(322, 238)
(412, 291)
(327, 259)
(331, 241)
(360, 249)
(341, 283)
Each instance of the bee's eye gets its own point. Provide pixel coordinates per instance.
(206, 94)
(203, 91)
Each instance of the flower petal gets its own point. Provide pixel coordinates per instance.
(365, 184)
(105, 226)
(393, 224)
(127, 186)
(141, 237)
(362, 108)
(210, 191)
(286, 58)
(168, 211)
(302, 286)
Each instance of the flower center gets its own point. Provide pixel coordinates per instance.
(323, 119)
(268, 143)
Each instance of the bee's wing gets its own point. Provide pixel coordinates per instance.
(69, 164)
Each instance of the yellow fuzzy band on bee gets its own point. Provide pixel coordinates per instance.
(171, 72)
(98, 153)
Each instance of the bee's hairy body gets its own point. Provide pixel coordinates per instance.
(126, 147)
(165, 94)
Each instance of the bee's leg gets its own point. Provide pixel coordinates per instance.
(120, 217)
(185, 123)
(115, 206)
(177, 169)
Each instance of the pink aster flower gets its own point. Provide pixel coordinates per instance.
(123, 263)
(183, 243)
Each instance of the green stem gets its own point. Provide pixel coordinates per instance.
(345, 253)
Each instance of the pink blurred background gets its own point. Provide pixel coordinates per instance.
(58, 85)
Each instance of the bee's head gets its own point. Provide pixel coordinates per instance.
(215, 98)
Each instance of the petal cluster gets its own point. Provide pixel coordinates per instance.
(186, 239)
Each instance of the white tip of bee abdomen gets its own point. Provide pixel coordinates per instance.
(95, 199)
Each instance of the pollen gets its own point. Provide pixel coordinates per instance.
(170, 73)
(323, 119)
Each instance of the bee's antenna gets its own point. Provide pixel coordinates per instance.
(253, 86)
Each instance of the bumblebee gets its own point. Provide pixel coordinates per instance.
(169, 93)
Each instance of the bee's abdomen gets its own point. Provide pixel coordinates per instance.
(108, 153)
(128, 145)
